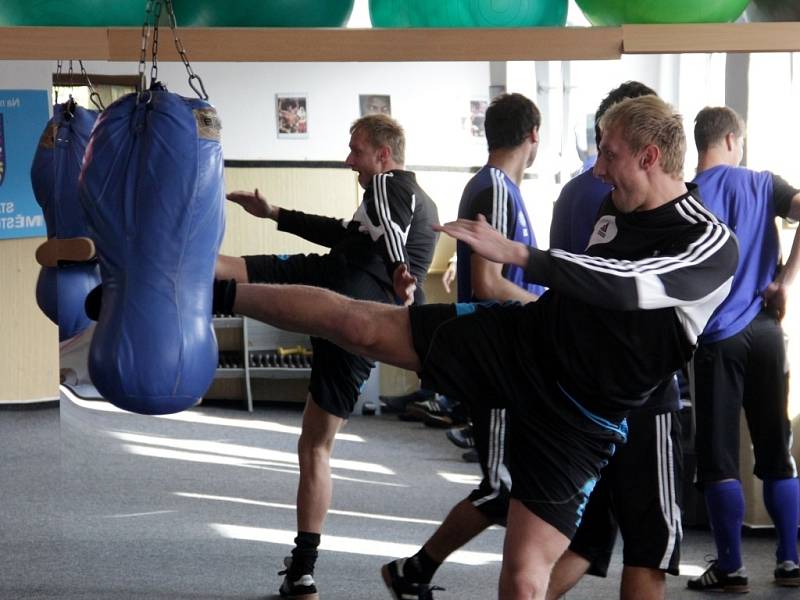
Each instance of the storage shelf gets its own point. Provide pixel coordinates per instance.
(381, 45)
(229, 373)
(280, 373)
(227, 322)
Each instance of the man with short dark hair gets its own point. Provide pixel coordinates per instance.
(740, 363)
(381, 254)
(568, 367)
(512, 135)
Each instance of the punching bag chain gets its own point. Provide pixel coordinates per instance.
(194, 80)
(59, 66)
(143, 50)
(94, 97)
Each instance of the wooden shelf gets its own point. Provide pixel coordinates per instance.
(381, 45)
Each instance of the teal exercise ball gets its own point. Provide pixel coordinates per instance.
(616, 12)
(262, 13)
(468, 13)
(773, 10)
(72, 13)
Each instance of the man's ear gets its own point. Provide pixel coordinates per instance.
(730, 141)
(535, 135)
(649, 156)
(384, 154)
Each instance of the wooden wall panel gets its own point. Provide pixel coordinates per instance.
(29, 363)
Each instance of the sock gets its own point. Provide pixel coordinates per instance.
(420, 567)
(304, 555)
(782, 499)
(224, 296)
(725, 504)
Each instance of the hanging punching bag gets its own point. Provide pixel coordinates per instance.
(152, 189)
(61, 291)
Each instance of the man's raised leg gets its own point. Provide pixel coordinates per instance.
(379, 331)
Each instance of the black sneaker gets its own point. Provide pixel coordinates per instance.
(471, 456)
(714, 580)
(302, 588)
(401, 588)
(432, 412)
(462, 437)
(787, 574)
(398, 404)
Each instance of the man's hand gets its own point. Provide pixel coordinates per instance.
(405, 284)
(486, 241)
(449, 275)
(775, 298)
(255, 204)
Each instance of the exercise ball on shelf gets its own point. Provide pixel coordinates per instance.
(773, 10)
(468, 13)
(617, 12)
(262, 13)
(75, 13)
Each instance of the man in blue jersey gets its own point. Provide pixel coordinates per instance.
(638, 492)
(512, 134)
(741, 361)
(613, 324)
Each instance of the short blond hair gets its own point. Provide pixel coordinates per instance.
(649, 120)
(382, 130)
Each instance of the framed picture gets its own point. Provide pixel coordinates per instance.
(477, 115)
(291, 112)
(374, 104)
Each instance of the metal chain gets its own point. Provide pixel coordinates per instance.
(94, 97)
(143, 50)
(194, 79)
(156, 19)
(59, 66)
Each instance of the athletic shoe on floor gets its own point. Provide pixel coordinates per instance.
(398, 404)
(462, 437)
(787, 574)
(714, 580)
(434, 412)
(401, 588)
(471, 456)
(73, 250)
(302, 588)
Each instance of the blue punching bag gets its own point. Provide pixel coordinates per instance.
(61, 291)
(152, 189)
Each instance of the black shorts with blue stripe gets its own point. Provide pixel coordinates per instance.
(501, 356)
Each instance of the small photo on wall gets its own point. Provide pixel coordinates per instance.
(375, 104)
(477, 116)
(291, 111)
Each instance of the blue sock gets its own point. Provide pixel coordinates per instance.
(725, 504)
(782, 499)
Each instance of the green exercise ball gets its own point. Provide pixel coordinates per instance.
(468, 13)
(262, 13)
(773, 10)
(72, 13)
(617, 12)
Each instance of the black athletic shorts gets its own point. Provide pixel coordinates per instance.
(490, 428)
(500, 356)
(638, 494)
(748, 370)
(337, 376)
